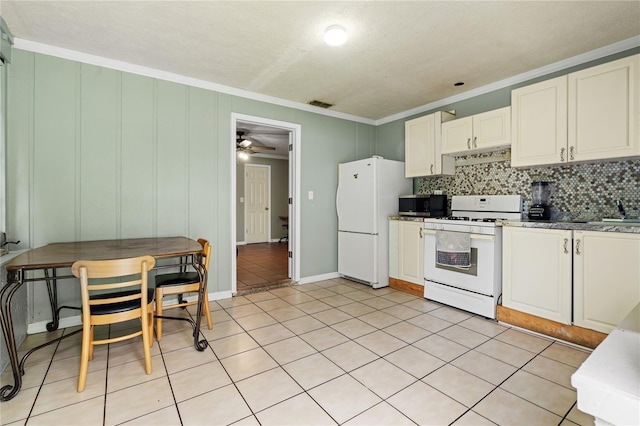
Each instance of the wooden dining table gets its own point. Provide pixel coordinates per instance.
(52, 259)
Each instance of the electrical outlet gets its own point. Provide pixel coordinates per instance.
(311, 195)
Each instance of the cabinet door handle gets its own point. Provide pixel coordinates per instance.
(578, 247)
(420, 232)
(475, 144)
(561, 154)
(571, 156)
(432, 169)
(468, 143)
(566, 242)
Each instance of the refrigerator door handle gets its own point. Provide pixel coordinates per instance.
(338, 204)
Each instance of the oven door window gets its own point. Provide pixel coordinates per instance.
(480, 278)
(473, 270)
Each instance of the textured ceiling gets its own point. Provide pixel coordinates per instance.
(400, 54)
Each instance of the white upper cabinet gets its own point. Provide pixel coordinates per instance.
(604, 103)
(588, 115)
(484, 132)
(539, 123)
(423, 146)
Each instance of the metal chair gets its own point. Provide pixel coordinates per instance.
(285, 226)
(114, 291)
(178, 283)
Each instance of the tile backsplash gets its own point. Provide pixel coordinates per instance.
(581, 191)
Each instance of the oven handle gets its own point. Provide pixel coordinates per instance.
(473, 236)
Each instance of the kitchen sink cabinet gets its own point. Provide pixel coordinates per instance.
(606, 278)
(587, 115)
(411, 252)
(536, 272)
(587, 278)
(484, 132)
(423, 146)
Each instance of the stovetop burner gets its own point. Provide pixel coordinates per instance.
(453, 218)
(475, 219)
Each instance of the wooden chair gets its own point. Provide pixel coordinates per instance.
(122, 295)
(178, 283)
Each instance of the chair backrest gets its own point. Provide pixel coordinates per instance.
(206, 252)
(110, 274)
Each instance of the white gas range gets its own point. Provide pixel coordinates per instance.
(463, 252)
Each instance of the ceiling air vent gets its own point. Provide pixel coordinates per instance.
(320, 104)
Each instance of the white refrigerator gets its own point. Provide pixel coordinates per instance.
(367, 195)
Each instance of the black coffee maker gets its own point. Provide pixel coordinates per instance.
(540, 195)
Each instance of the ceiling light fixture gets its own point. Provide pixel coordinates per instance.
(335, 35)
(243, 155)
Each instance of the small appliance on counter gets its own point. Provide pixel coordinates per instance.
(540, 200)
(423, 205)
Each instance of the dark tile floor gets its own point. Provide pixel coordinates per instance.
(261, 266)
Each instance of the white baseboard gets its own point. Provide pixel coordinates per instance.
(316, 278)
(41, 326)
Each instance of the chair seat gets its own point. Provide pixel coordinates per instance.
(177, 278)
(115, 308)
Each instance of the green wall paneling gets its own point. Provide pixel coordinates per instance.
(138, 157)
(55, 128)
(171, 155)
(98, 164)
(203, 181)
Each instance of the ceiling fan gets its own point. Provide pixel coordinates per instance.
(246, 144)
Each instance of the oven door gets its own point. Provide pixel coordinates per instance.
(479, 278)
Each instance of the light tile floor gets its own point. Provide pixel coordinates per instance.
(333, 352)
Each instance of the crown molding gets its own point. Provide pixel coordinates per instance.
(611, 49)
(46, 49)
(86, 58)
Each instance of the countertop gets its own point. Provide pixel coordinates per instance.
(553, 224)
(408, 218)
(579, 226)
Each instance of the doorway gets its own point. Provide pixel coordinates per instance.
(265, 141)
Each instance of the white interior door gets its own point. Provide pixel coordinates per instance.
(257, 213)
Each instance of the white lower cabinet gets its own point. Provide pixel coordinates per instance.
(547, 271)
(411, 252)
(536, 272)
(606, 278)
(393, 248)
